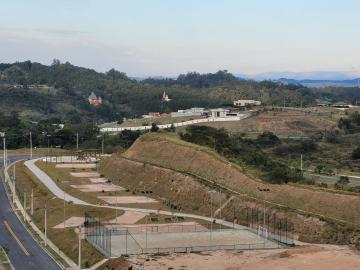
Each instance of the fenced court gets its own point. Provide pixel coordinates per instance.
(115, 241)
(154, 242)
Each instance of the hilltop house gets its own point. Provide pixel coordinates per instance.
(94, 100)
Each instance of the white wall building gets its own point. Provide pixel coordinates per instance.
(246, 102)
(215, 113)
(188, 112)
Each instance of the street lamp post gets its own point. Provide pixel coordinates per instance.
(45, 221)
(48, 141)
(2, 134)
(31, 146)
(264, 221)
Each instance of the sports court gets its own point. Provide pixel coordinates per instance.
(154, 241)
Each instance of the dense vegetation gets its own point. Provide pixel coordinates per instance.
(60, 90)
(244, 151)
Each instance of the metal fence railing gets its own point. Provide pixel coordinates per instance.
(97, 234)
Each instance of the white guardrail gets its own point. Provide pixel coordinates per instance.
(180, 124)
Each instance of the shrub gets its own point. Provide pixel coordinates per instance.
(267, 139)
(356, 153)
(154, 127)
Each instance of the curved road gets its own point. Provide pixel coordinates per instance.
(24, 252)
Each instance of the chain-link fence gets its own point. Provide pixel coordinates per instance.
(97, 234)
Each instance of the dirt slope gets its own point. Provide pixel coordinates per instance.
(175, 154)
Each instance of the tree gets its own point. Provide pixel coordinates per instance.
(344, 123)
(267, 139)
(154, 127)
(128, 137)
(344, 180)
(356, 153)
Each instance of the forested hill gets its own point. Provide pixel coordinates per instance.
(60, 90)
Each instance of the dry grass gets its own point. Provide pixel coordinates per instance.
(280, 123)
(164, 185)
(183, 157)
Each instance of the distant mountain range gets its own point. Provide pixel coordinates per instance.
(310, 79)
(323, 83)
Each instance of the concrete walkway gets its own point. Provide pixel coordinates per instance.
(50, 184)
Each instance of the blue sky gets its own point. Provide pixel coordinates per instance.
(168, 37)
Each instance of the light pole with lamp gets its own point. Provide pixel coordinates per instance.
(264, 221)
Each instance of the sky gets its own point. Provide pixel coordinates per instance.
(169, 37)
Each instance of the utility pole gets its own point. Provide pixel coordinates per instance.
(102, 145)
(25, 207)
(79, 262)
(264, 221)
(31, 146)
(64, 210)
(14, 181)
(212, 219)
(45, 226)
(4, 143)
(77, 141)
(48, 140)
(32, 202)
(14, 187)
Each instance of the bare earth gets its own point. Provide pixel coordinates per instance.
(129, 217)
(76, 166)
(126, 199)
(69, 159)
(97, 187)
(98, 180)
(85, 174)
(317, 257)
(71, 222)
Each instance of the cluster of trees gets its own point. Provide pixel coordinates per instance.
(351, 124)
(244, 150)
(47, 132)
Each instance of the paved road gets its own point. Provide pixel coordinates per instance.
(331, 179)
(38, 259)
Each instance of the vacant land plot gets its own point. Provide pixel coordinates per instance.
(69, 159)
(98, 180)
(71, 222)
(126, 199)
(97, 187)
(280, 123)
(129, 217)
(322, 257)
(76, 165)
(85, 174)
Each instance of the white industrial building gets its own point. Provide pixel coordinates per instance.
(188, 112)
